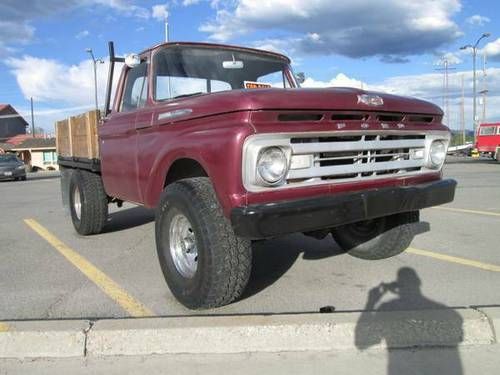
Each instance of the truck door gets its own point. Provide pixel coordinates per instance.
(119, 137)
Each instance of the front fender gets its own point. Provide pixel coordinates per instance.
(216, 144)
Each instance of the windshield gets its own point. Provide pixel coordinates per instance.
(8, 158)
(185, 71)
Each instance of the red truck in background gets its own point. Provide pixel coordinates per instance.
(488, 140)
(226, 146)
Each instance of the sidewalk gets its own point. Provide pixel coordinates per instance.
(484, 360)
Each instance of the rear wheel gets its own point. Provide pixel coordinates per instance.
(88, 202)
(378, 238)
(205, 265)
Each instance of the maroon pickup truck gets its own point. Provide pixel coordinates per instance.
(228, 149)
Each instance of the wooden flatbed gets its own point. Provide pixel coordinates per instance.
(77, 141)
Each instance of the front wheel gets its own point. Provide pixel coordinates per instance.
(204, 263)
(378, 238)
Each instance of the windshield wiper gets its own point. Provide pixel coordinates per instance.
(187, 95)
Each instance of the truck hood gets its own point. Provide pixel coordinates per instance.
(339, 98)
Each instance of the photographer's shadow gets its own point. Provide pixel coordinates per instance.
(375, 325)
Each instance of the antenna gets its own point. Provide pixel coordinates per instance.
(166, 28)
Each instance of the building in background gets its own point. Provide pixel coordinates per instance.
(37, 153)
(11, 123)
(4, 147)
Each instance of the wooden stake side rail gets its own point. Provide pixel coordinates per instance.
(76, 137)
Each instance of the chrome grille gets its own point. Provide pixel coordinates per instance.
(356, 156)
(333, 157)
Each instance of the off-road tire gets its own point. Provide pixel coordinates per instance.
(224, 260)
(94, 202)
(390, 236)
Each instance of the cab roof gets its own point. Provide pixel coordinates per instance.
(214, 45)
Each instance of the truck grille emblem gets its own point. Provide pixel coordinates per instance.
(371, 100)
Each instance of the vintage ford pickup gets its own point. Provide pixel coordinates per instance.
(227, 148)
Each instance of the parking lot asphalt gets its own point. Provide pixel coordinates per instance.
(47, 271)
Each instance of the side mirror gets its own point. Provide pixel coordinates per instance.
(232, 64)
(300, 77)
(132, 60)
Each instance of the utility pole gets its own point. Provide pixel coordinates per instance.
(446, 102)
(484, 91)
(462, 112)
(474, 54)
(32, 119)
(95, 61)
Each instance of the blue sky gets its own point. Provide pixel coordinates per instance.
(389, 45)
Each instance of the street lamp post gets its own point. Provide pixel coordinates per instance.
(95, 61)
(474, 103)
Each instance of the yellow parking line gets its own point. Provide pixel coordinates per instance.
(4, 327)
(477, 212)
(453, 259)
(104, 282)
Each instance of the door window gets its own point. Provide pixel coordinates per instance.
(136, 88)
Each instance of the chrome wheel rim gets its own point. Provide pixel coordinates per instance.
(183, 246)
(77, 203)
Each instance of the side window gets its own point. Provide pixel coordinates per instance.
(136, 88)
(49, 157)
(487, 130)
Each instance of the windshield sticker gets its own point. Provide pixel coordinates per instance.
(257, 85)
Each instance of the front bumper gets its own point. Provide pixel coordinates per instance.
(12, 173)
(260, 221)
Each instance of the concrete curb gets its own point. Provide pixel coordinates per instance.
(253, 333)
(57, 338)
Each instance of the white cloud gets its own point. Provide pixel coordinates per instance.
(160, 12)
(82, 34)
(355, 28)
(341, 80)
(477, 20)
(50, 81)
(125, 7)
(493, 50)
(61, 89)
(187, 3)
(451, 57)
(430, 87)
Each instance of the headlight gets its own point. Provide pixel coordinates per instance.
(437, 154)
(272, 165)
(20, 167)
